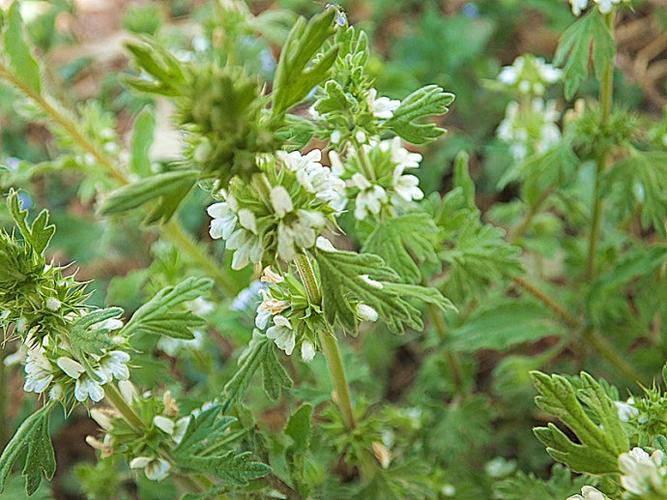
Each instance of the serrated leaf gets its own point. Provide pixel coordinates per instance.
(405, 243)
(408, 119)
(39, 233)
(560, 485)
(200, 450)
(574, 50)
(590, 414)
(502, 326)
(161, 314)
(21, 59)
(640, 179)
(32, 442)
(84, 339)
(303, 63)
(344, 286)
(168, 189)
(260, 353)
(140, 144)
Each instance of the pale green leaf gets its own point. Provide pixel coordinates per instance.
(21, 59)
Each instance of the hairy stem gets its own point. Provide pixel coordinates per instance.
(114, 397)
(453, 361)
(328, 343)
(530, 215)
(606, 102)
(172, 230)
(4, 419)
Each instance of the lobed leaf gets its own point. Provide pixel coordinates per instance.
(21, 59)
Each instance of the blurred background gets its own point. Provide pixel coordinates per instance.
(459, 45)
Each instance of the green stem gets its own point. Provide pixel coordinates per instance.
(452, 359)
(4, 419)
(364, 160)
(171, 230)
(530, 215)
(114, 396)
(606, 102)
(180, 238)
(328, 343)
(607, 351)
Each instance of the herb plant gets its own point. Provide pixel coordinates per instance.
(262, 363)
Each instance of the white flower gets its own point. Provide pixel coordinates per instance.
(86, 387)
(247, 220)
(180, 428)
(248, 248)
(588, 493)
(247, 298)
(324, 244)
(173, 346)
(370, 197)
(399, 155)
(282, 334)
(406, 186)
(307, 350)
(316, 178)
(626, 410)
(606, 6)
(281, 201)
(268, 308)
(366, 312)
(53, 304)
(56, 392)
(114, 365)
(302, 232)
(382, 107)
(127, 390)
(270, 276)
(165, 424)
(578, 6)
(155, 468)
(38, 371)
(72, 368)
(641, 472)
(223, 220)
(102, 418)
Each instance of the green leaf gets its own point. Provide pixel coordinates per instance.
(560, 485)
(162, 316)
(32, 442)
(405, 243)
(168, 79)
(90, 341)
(423, 103)
(140, 144)
(201, 450)
(39, 233)
(574, 47)
(344, 286)
(590, 414)
(640, 179)
(21, 60)
(169, 188)
(299, 428)
(502, 326)
(299, 70)
(260, 353)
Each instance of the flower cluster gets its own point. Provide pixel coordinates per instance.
(605, 6)
(287, 316)
(529, 75)
(375, 176)
(56, 367)
(283, 210)
(589, 493)
(643, 474)
(530, 129)
(164, 429)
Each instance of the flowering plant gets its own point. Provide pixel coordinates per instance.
(263, 363)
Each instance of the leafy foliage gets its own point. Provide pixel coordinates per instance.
(161, 314)
(575, 48)
(560, 485)
(407, 121)
(20, 56)
(590, 414)
(30, 445)
(405, 243)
